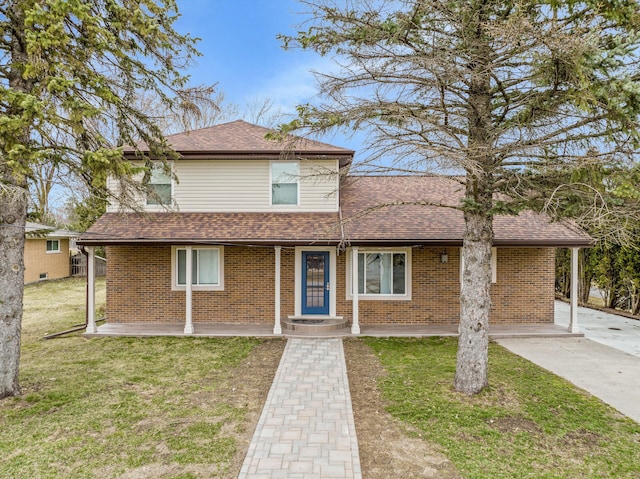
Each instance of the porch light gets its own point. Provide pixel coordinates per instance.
(444, 257)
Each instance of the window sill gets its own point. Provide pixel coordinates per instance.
(199, 288)
(381, 297)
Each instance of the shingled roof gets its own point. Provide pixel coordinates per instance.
(391, 210)
(241, 140)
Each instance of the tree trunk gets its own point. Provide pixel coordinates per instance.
(475, 295)
(13, 213)
(585, 276)
(563, 275)
(475, 305)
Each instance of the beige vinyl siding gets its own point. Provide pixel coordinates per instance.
(319, 185)
(140, 199)
(244, 185)
(114, 188)
(222, 185)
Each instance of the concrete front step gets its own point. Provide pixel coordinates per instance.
(314, 324)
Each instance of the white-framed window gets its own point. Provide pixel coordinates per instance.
(285, 183)
(382, 273)
(494, 265)
(53, 246)
(160, 188)
(207, 268)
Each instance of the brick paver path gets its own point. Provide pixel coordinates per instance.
(306, 429)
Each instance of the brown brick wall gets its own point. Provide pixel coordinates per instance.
(139, 288)
(434, 293)
(525, 290)
(287, 282)
(523, 293)
(38, 261)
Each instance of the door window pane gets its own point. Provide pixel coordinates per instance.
(315, 287)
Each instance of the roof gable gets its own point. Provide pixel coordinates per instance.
(238, 139)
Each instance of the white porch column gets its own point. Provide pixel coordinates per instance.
(277, 328)
(573, 319)
(188, 326)
(355, 326)
(91, 290)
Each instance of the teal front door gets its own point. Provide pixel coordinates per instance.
(315, 282)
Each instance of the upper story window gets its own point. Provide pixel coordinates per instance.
(160, 186)
(53, 246)
(284, 182)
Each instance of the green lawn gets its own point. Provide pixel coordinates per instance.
(528, 424)
(186, 407)
(113, 407)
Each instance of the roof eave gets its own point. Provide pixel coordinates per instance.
(345, 157)
(513, 243)
(546, 243)
(217, 241)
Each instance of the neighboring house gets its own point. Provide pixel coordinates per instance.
(46, 252)
(273, 235)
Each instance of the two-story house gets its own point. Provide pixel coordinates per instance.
(253, 232)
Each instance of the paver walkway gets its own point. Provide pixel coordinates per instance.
(306, 429)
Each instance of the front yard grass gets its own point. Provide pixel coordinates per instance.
(128, 407)
(186, 407)
(528, 424)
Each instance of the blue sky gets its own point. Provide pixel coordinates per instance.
(241, 53)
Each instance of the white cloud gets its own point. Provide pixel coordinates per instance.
(293, 84)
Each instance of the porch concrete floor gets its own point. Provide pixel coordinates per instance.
(266, 330)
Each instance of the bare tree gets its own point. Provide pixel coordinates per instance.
(507, 92)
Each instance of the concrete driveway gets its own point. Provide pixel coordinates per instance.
(606, 362)
(604, 328)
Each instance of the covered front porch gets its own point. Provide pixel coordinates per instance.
(211, 330)
(274, 327)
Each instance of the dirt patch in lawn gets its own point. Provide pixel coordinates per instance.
(247, 387)
(387, 448)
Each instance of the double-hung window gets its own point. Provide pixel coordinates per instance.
(159, 190)
(383, 274)
(53, 246)
(206, 267)
(284, 182)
